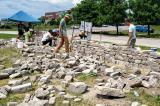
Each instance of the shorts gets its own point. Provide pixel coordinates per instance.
(63, 33)
(132, 43)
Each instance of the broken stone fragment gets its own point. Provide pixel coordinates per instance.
(3, 93)
(77, 87)
(15, 82)
(4, 75)
(15, 75)
(21, 88)
(41, 93)
(110, 93)
(52, 101)
(12, 104)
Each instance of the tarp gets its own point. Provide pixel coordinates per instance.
(22, 17)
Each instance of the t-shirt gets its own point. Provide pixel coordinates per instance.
(46, 36)
(63, 30)
(27, 36)
(132, 29)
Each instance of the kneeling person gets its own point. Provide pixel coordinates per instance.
(47, 38)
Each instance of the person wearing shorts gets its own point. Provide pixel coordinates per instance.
(131, 33)
(63, 34)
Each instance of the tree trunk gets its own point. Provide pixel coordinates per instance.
(117, 29)
(148, 30)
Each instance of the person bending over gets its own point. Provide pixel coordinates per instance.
(47, 38)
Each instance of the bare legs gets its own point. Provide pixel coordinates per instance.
(64, 40)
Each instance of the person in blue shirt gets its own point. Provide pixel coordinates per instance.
(131, 33)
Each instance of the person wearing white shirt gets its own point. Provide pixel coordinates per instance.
(131, 33)
(47, 38)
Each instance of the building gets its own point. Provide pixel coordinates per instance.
(54, 15)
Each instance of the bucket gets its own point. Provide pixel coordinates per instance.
(20, 44)
(153, 49)
(13, 40)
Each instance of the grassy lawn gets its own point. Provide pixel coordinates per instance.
(87, 78)
(9, 55)
(156, 33)
(7, 36)
(12, 97)
(148, 48)
(145, 98)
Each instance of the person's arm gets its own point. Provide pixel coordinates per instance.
(50, 35)
(60, 29)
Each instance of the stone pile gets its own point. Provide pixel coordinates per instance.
(3, 43)
(39, 69)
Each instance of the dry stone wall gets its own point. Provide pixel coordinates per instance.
(127, 58)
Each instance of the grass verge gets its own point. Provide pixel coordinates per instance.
(59, 101)
(7, 36)
(87, 78)
(9, 55)
(145, 98)
(12, 98)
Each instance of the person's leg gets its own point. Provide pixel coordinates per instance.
(66, 44)
(132, 43)
(60, 45)
(50, 42)
(44, 43)
(80, 36)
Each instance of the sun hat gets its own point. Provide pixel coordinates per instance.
(67, 16)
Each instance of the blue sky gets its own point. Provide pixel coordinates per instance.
(36, 8)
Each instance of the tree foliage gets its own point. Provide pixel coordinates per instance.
(145, 11)
(101, 12)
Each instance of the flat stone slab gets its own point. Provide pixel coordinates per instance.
(21, 88)
(111, 93)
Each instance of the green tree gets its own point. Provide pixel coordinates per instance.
(145, 11)
(101, 12)
(113, 11)
(86, 11)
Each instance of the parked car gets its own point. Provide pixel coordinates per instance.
(143, 28)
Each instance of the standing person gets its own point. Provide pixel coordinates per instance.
(47, 38)
(63, 34)
(20, 27)
(131, 33)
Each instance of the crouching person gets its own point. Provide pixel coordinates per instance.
(47, 38)
(28, 35)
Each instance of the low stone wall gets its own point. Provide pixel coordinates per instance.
(123, 56)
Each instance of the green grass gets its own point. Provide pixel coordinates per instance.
(145, 98)
(148, 48)
(87, 78)
(59, 101)
(9, 54)
(7, 36)
(3, 82)
(12, 98)
(156, 33)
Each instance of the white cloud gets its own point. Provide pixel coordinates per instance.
(76, 1)
(61, 1)
(36, 8)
